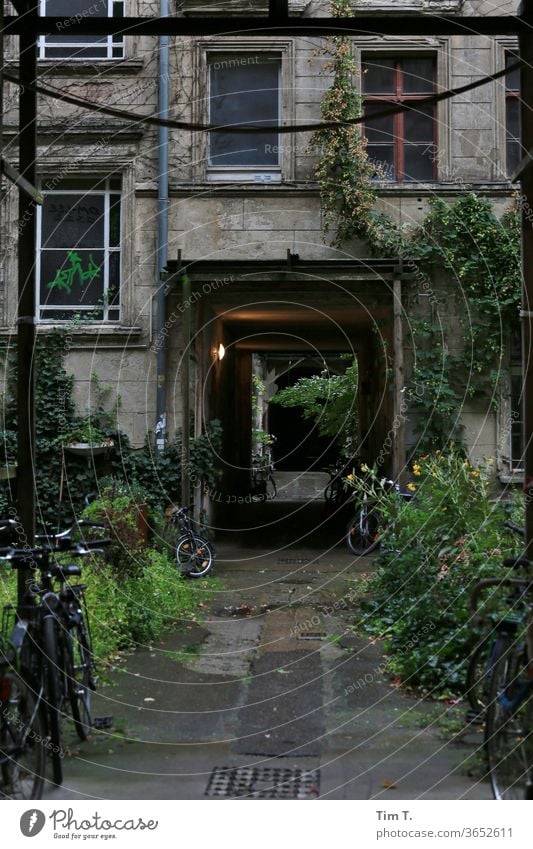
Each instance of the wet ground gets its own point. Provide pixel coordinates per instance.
(271, 694)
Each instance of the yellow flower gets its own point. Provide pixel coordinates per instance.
(417, 470)
(350, 477)
(474, 474)
(411, 487)
(364, 468)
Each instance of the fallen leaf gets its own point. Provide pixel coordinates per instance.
(389, 785)
(148, 699)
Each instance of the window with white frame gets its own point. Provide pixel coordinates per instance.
(79, 250)
(244, 90)
(67, 43)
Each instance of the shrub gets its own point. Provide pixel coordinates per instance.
(435, 548)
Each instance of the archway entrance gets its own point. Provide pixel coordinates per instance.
(301, 311)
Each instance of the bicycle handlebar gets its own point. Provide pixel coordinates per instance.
(517, 529)
(525, 585)
(77, 549)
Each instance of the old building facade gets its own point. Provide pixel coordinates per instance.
(244, 214)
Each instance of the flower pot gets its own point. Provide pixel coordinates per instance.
(86, 449)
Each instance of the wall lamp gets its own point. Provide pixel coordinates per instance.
(221, 351)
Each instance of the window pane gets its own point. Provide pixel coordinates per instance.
(512, 117)
(114, 220)
(382, 155)
(379, 76)
(72, 221)
(513, 157)
(244, 92)
(72, 277)
(418, 75)
(378, 129)
(419, 124)
(418, 162)
(512, 80)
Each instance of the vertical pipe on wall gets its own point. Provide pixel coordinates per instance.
(162, 234)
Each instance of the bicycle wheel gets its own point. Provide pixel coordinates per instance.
(194, 556)
(22, 739)
(362, 532)
(78, 669)
(508, 726)
(480, 668)
(53, 696)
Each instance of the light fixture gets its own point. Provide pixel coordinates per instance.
(221, 351)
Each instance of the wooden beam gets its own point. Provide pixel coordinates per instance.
(369, 24)
(23, 184)
(399, 406)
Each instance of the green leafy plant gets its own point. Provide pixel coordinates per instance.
(433, 551)
(63, 481)
(329, 400)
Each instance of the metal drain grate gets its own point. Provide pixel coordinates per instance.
(264, 783)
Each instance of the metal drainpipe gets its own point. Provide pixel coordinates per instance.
(162, 235)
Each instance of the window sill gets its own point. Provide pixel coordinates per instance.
(104, 332)
(84, 67)
(258, 178)
(516, 478)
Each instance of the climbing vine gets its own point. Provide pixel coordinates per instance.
(344, 171)
(478, 252)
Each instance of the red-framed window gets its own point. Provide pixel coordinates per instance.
(403, 146)
(512, 116)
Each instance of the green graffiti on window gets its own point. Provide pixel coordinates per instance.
(65, 277)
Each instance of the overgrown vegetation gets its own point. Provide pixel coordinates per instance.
(478, 253)
(435, 548)
(344, 172)
(330, 400)
(60, 477)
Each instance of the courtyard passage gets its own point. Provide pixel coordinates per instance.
(271, 694)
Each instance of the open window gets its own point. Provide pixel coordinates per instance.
(79, 251)
(67, 43)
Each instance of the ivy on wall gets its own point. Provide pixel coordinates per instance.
(478, 252)
(150, 476)
(344, 172)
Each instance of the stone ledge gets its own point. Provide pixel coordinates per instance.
(72, 68)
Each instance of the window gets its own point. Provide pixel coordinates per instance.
(403, 146)
(69, 44)
(79, 239)
(512, 116)
(244, 90)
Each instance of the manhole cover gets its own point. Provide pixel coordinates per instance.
(264, 783)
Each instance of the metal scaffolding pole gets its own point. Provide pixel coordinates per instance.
(26, 330)
(526, 53)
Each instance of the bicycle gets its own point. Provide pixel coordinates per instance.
(22, 732)
(195, 556)
(508, 735)
(336, 492)
(364, 530)
(492, 645)
(51, 650)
